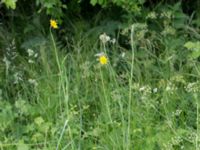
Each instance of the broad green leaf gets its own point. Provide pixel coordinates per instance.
(189, 45)
(195, 47)
(195, 54)
(10, 3)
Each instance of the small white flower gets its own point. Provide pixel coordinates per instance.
(192, 87)
(33, 81)
(36, 55)
(171, 87)
(168, 88)
(155, 90)
(30, 61)
(104, 38)
(135, 86)
(152, 15)
(178, 112)
(30, 52)
(17, 78)
(123, 54)
(142, 88)
(113, 41)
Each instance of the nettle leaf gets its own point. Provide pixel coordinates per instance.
(10, 3)
(189, 45)
(195, 49)
(194, 54)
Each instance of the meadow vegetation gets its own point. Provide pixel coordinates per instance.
(99, 75)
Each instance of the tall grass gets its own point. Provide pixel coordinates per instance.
(77, 103)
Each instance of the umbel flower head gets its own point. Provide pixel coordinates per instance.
(104, 38)
(53, 24)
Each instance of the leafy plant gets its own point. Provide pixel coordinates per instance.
(129, 5)
(10, 3)
(195, 49)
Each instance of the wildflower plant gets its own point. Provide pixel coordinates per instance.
(53, 24)
(104, 38)
(102, 58)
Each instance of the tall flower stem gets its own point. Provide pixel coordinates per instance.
(56, 53)
(130, 89)
(105, 96)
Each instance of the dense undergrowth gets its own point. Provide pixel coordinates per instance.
(105, 79)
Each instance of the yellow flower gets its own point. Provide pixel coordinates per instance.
(53, 24)
(103, 60)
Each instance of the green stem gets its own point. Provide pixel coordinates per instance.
(130, 89)
(61, 135)
(197, 122)
(56, 53)
(105, 96)
(197, 111)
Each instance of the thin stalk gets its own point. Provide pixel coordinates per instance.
(197, 111)
(105, 96)
(56, 53)
(59, 69)
(130, 89)
(61, 135)
(117, 87)
(197, 122)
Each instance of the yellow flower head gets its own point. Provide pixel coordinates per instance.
(53, 24)
(103, 59)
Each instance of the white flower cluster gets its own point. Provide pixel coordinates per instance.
(33, 82)
(167, 14)
(104, 38)
(176, 113)
(192, 87)
(152, 15)
(17, 77)
(32, 56)
(147, 89)
(171, 87)
(177, 140)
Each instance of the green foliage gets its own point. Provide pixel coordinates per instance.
(52, 7)
(10, 3)
(55, 94)
(128, 5)
(195, 49)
